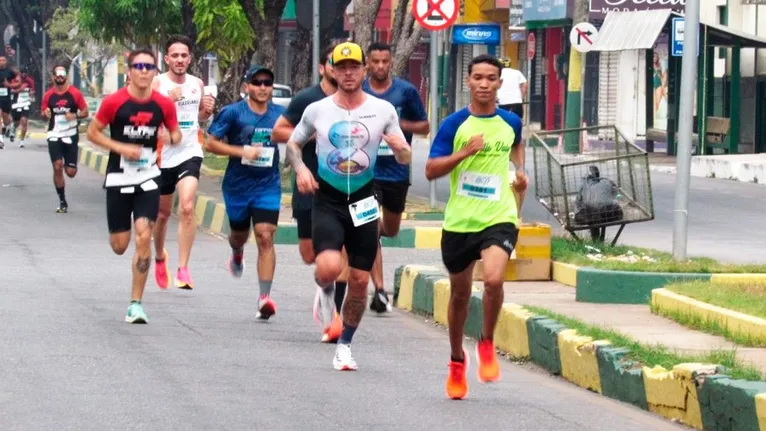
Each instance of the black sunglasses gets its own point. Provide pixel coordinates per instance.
(263, 82)
(144, 66)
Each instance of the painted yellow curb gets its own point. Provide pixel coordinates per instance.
(565, 273)
(441, 301)
(579, 364)
(673, 394)
(407, 286)
(511, 334)
(736, 322)
(760, 410)
(738, 278)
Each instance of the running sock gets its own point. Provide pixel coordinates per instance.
(265, 287)
(340, 294)
(483, 338)
(462, 360)
(159, 259)
(347, 334)
(60, 191)
(135, 301)
(238, 253)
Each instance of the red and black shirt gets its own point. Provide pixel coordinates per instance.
(61, 103)
(135, 121)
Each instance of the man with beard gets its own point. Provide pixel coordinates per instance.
(63, 105)
(392, 179)
(251, 185)
(323, 301)
(349, 127)
(180, 165)
(6, 76)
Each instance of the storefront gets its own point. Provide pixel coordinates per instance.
(548, 19)
(468, 41)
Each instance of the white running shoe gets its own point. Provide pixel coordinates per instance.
(324, 306)
(343, 361)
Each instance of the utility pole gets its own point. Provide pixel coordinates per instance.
(433, 80)
(315, 44)
(575, 77)
(686, 117)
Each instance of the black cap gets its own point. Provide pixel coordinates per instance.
(254, 70)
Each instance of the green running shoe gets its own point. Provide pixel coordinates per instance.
(136, 313)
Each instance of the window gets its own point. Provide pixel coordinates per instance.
(281, 92)
(723, 19)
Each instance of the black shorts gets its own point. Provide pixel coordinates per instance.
(332, 229)
(253, 217)
(59, 150)
(171, 176)
(460, 250)
(303, 219)
(392, 196)
(18, 114)
(120, 206)
(516, 108)
(5, 105)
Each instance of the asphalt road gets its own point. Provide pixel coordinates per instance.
(69, 361)
(726, 218)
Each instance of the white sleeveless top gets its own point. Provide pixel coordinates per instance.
(188, 120)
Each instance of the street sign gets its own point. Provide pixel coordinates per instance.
(677, 38)
(583, 36)
(435, 14)
(531, 46)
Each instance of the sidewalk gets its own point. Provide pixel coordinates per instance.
(637, 321)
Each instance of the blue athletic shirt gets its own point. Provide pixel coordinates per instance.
(405, 98)
(240, 126)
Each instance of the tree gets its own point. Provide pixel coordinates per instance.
(68, 42)
(130, 22)
(224, 30)
(406, 32)
(264, 16)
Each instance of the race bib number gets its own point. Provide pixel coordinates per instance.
(3, 92)
(137, 167)
(384, 149)
(186, 121)
(264, 160)
(23, 98)
(364, 211)
(479, 186)
(61, 123)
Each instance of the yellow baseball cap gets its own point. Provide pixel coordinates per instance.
(347, 51)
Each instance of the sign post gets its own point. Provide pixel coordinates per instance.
(434, 15)
(531, 49)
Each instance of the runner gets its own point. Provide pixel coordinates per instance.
(392, 180)
(62, 105)
(473, 146)
(349, 127)
(21, 100)
(251, 185)
(134, 115)
(301, 203)
(180, 165)
(6, 76)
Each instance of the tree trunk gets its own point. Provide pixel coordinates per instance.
(190, 30)
(301, 67)
(265, 22)
(407, 34)
(231, 77)
(365, 12)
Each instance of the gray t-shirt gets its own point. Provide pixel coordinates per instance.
(347, 141)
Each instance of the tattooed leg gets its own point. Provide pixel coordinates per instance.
(142, 258)
(354, 304)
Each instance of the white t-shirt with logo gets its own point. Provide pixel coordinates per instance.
(188, 112)
(510, 92)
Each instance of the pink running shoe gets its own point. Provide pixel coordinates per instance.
(266, 308)
(161, 275)
(183, 279)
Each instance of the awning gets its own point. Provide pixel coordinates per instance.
(622, 31)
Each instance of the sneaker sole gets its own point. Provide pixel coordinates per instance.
(345, 368)
(265, 313)
(136, 320)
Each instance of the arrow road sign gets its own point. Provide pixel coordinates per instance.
(583, 36)
(435, 14)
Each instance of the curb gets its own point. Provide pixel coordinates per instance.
(698, 395)
(211, 215)
(603, 286)
(668, 302)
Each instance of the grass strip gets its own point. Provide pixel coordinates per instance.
(569, 250)
(653, 355)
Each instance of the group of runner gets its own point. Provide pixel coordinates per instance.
(348, 139)
(16, 92)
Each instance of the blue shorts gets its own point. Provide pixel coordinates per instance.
(249, 204)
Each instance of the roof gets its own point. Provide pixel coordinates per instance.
(623, 31)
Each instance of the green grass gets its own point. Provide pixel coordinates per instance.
(569, 250)
(215, 162)
(653, 355)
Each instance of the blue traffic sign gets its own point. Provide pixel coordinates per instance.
(677, 38)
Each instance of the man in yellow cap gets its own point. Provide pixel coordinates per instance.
(349, 127)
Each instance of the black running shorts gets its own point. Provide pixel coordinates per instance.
(303, 219)
(171, 176)
(18, 114)
(120, 206)
(60, 150)
(392, 196)
(5, 105)
(460, 250)
(332, 229)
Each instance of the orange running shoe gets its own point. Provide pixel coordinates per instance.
(457, 383)
(161, 275)
(332, 332)
(488, 369)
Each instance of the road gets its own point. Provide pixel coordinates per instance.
(725, 217)
(70, 362)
